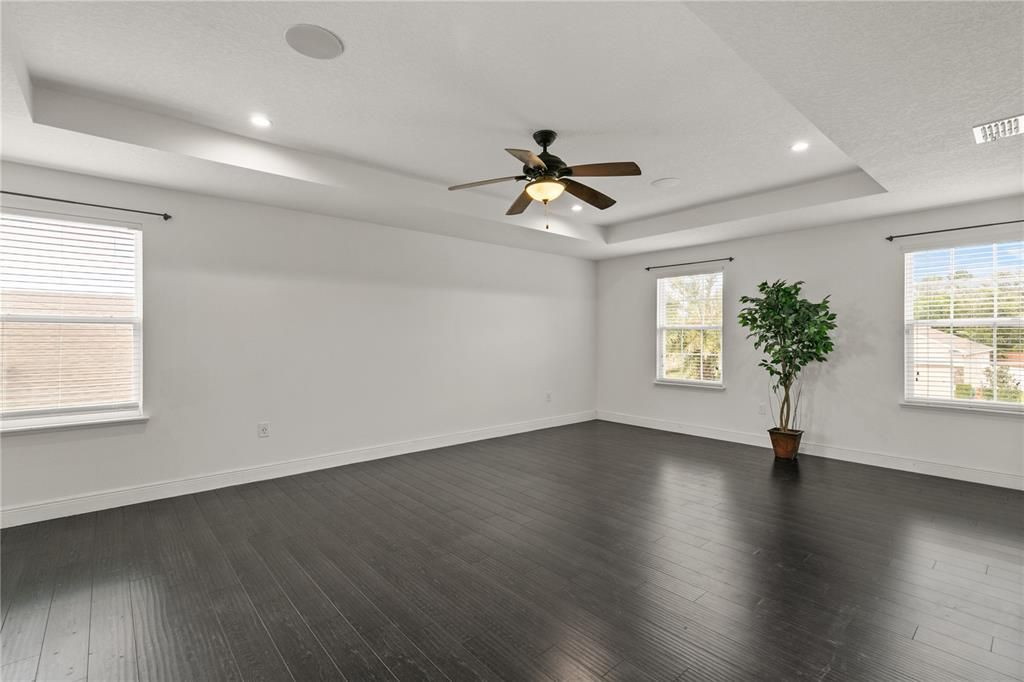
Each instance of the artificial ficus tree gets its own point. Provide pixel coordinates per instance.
(791, 331)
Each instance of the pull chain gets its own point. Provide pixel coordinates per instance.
(546, 225)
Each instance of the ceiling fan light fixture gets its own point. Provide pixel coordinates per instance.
(547, 177)
(545, 190)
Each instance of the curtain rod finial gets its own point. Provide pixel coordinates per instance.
(166, 216)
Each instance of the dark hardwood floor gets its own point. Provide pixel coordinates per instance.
(592, 551)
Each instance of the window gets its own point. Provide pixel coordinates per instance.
(70, 319)
(964, 314)
(690, 329)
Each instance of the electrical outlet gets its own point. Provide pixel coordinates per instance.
(263, 429)
(762, 409)
(547, 397)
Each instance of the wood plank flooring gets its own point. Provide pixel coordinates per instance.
(595, 551)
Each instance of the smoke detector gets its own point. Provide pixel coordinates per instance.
(990, 132)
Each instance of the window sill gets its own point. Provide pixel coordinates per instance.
(1007, 410)
(690, 384)
(80, 421)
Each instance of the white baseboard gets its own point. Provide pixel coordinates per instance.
(961, 473)
(81, 504)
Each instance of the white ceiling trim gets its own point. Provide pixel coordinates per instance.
(97, 117)
(91, 115)
(826, 190)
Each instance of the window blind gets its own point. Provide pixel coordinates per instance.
(70, 317)
(964, 325)
(690, 328)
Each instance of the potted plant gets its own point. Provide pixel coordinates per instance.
(792, 332)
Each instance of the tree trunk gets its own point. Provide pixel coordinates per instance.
(784, 407)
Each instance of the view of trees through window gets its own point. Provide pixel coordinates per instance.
(965, 323)
(690, 328)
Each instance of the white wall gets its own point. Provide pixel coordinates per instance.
(852, 403)
(357, 340)
(349, 337)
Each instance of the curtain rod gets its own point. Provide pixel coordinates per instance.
(165, 216)
(950, 229)
(696, 262)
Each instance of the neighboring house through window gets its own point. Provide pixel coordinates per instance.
(964, 323)
(70, 319)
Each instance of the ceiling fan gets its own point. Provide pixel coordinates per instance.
(548, 176)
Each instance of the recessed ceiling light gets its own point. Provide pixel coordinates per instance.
(577, 208)
(260, 120)
(800, 146)
(314, 41)
(663, 183)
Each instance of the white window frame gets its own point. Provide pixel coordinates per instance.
(659, 377)
(98, 415)
(938, 244)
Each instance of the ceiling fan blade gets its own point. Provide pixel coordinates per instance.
(527, 157)
(485, 182)
(520, 204)
(603, 169)
(587, 194)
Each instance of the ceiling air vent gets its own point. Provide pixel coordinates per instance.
(990, 132)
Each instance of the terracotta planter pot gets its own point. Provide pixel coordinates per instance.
(786, 444)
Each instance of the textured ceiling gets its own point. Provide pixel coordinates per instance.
(902, 93)
(428, 94)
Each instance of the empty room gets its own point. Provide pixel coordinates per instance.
(518, 341)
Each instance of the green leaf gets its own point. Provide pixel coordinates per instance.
(790, 330)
